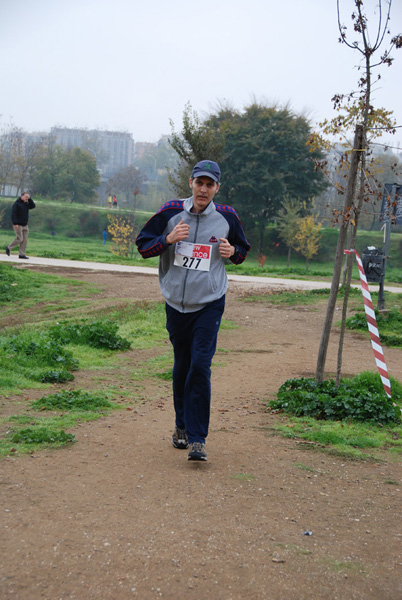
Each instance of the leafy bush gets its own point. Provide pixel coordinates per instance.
(98, 334)
(77, 400)
(361, 399)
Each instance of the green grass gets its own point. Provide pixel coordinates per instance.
(356, 420)
(75, 400)
(243, 477)
(29, 433)
(90, 248)
(389, 323)
(286, 297)
(40, 295)
(304, 467)
(43, 355)
(355, 441)
(46, 349)
(343, 566)
(158, 366)
(311, 297)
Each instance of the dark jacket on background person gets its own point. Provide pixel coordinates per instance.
(20, 211)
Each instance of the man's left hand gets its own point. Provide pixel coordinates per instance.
(226, 250)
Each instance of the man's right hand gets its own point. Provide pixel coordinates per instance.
(179, 232)
(15, 227)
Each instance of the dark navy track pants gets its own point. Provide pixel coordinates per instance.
(193, 336)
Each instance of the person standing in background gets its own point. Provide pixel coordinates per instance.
(19, 219)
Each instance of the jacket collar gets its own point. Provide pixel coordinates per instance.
(188, 205)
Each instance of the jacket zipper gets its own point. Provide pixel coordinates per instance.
(186, 274)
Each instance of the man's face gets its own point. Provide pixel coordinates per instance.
(25, 197)
(204, 189)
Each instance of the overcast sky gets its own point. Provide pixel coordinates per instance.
(133, 65)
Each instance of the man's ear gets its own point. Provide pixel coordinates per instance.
(190, 181)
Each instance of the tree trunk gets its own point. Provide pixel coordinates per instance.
(359, 206)
(350, 191)
(260, 242)
(349, 263)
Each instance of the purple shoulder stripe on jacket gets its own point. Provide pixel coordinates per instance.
(226, 208)
(169, 205)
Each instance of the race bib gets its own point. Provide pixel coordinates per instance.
(193, 256)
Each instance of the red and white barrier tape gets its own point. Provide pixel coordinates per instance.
(372, 327)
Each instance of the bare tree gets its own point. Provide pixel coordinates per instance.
(356, 110)
(11, 150)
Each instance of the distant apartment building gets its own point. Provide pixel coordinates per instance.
(141, 149)
(113, 150)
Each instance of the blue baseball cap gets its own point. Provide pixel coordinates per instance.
(207, 168)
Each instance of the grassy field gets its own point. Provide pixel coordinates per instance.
(92, 249)
(79, 228)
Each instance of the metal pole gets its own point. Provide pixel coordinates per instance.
(387, 215)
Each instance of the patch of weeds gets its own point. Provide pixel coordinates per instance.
(41, 435)
(157, 366)
(42, 356)
(304, 467)
(38, 357)
(35, 347)
(100, 333)
(353, 454)
(53, 376)
(30, 439)
(164, 375)
(389, 325)
(119, 390)
(76, 400)
(243, 477)
(391, 482)
(23, 420)
(361, 398)
(69, 408)
(294, 548)
(228, 325)
(345, 566)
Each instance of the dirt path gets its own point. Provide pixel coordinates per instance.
(122, 514)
